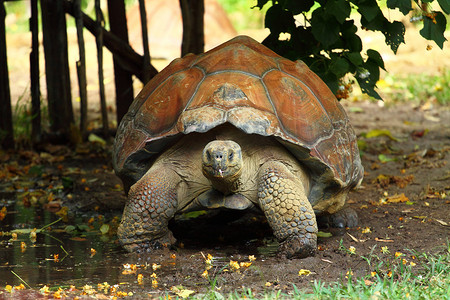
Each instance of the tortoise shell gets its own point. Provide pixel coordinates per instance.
(246, 84)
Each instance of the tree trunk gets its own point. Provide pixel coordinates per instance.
(57, 67)
(192, 12)
(122, 77)
(6, 126)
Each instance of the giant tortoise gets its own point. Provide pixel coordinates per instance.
(236, 127)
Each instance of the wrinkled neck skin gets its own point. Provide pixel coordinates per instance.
(226, 185)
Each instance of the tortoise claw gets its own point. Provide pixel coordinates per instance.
(298, 247)
(147, 246)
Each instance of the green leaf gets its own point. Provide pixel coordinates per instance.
(325, 30)
(279, 20)
(445, 5)
(70, 228)
(340, 9)
(25, 230)
(369, 9)
(403, 5)
(261, 3)
(36, 170)
(67, 182)
(394, 35)
(376, 57)
(297, 7)
(380, 132)
(104, 228)
(192, 214)
(434, 31)
(339, 67)
(355, 58)
(367, 78)
(384, 159)
(324, 234)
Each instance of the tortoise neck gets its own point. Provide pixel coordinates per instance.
(226, 185)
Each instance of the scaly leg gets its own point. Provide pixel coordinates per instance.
(152, 202)
(283, 199)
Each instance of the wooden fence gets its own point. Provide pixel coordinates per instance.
(126, 62)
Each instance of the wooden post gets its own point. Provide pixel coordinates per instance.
(81, 68)
(192, 12)
(99, 42)
(57, 67)
(122, 77)
(6, 126)
(144, 37)
(126, 56)
(34, 75)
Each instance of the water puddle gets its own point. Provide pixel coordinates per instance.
(81, 255)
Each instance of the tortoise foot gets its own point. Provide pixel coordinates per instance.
(299, 247)
(144, 246)
(346, 217)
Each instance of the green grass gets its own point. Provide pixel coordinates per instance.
(392, 277)
(418, 87)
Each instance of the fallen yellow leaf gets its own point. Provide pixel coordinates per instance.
(304, 272)
(398, 198)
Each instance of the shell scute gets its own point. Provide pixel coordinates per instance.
(310, 79)
(241, 57)
(229, 90)
(298, 109)
(243, 83)
(161, 113)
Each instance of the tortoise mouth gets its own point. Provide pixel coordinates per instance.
(226, 172)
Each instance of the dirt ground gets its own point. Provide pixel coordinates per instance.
(403, 204)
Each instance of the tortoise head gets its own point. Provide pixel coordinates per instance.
(222, 164)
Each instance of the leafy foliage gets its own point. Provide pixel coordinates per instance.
(324, 35)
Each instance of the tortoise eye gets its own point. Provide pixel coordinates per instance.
(208, 155)
(230, 156)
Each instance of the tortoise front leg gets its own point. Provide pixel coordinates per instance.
(152, 202)
(283, 199)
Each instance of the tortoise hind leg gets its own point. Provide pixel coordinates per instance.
(283, 199)
(152, 202)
